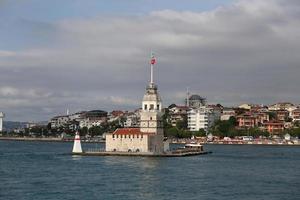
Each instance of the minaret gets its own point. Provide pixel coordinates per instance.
(1, 121)
(77, 144)
(151, 114)
(187, 97)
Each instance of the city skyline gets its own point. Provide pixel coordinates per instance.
(81, 56)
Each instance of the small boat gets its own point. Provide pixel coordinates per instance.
(193, 146)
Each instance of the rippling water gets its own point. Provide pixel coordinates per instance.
(41, 170)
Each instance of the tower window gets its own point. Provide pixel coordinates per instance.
(157, 106)
(151, 107)
(150, 118)
(145, 107)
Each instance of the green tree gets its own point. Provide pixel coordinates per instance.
(200, 133)
(184, 134)
(295, 132)
(83, 131)
(166, 119)
(172, 132)
(95, 130)
(182, 124)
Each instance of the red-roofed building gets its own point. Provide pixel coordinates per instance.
(295, 114)
(247, 120)
(274, 127)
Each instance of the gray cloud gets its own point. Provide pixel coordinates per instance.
(246, 52)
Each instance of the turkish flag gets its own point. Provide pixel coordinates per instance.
(153, 61)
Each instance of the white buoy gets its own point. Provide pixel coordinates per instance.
(77, 144)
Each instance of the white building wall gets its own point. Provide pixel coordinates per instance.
(202, 118)
(120, 143)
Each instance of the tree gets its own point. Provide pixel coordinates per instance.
(295, 132)
(172, 132)
(200, 133)
(232, 121)
(165, 119)
(182, 124)
(83, 131)
(225, 128)
(95, 130)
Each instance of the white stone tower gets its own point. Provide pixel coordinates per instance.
(77, 144)
(1, 121)
(151, 115)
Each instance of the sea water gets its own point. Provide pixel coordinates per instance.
(46, 170)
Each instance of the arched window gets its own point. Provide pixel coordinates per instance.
(145, 107)
(157, 107)
(137, 150)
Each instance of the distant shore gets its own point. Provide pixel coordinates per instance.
(46, 139)
(220, 142)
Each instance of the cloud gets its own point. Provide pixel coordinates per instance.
(245, 52)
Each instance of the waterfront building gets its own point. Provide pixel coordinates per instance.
(282, 106)
(115, 115)
(282, 115)
(91, 122)
(262, 117)
(132, 120)
(245, 106)
(81, 119)
(177, 113)
(295, 115)
(202, 118)
(1, 121)
(274, 127)
(59, 121)
(247, 120)
(148, 138)
(227, 113)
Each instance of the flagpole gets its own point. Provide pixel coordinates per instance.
(151, 78)
(151, 71)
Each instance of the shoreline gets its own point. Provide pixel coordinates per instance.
(50, 139)
(54, 139)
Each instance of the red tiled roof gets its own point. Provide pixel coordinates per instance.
(129, 131)
(182, 107)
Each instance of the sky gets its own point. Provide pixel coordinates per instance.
(82, 55)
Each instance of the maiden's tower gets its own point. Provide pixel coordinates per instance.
(148, 138)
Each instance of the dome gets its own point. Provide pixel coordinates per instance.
(195, 97)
